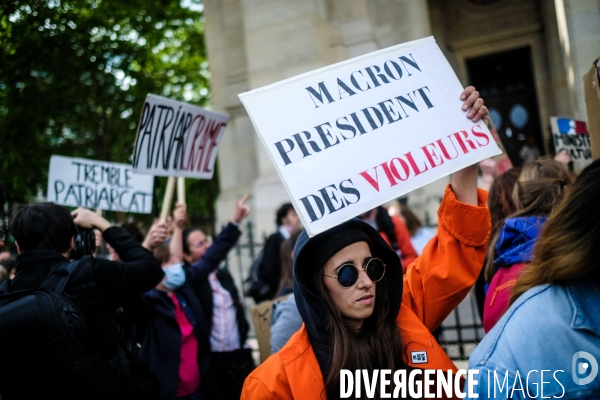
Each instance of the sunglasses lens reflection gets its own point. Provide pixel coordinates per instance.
(375, 269)
(347, 275)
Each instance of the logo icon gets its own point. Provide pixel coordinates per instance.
(419, 357)
(580, 367)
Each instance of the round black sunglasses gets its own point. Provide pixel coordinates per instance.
(347, 274)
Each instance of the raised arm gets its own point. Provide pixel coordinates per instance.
(120, 281)
(179, 221)
(441, 277)
(156, 236)
(221, 246)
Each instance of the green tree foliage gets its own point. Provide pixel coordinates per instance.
(74, 75)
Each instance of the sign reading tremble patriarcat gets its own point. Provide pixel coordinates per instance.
(80, 182)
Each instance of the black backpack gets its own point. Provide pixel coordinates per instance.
(46, 341)
(254, 286)
(44, 335)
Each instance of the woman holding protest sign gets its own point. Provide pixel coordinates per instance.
(360, 312)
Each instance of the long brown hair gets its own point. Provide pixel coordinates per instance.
(540, 188)
(500, 199)
(287, 263)
(568, 245)
(412, 222)
(377, 345)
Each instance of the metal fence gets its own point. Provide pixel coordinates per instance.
(458, 335)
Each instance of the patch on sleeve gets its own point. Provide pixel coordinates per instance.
(418, 357)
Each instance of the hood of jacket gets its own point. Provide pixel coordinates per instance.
(516, 240)
(312, 307)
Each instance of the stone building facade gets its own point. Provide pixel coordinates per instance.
(526, 56)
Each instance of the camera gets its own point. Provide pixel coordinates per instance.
(85, 244)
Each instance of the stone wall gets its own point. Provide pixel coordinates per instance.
(252, 43)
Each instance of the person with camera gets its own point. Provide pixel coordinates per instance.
(60, 321)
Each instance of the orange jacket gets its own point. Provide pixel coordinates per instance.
(434, 285)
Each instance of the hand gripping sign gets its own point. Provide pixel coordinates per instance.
(349, 137)
(109, 186)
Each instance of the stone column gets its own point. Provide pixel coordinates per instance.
(583, 20)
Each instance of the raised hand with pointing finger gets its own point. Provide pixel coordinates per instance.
(241, 211)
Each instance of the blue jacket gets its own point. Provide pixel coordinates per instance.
(543, 330)
(286, 321)
(157, 329)
(516, 240)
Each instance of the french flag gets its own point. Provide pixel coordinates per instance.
(571, 126)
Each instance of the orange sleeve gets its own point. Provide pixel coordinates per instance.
(438, 280)
(268, 381)
(255, 389)
(408, 252)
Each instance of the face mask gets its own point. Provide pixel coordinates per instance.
(175, 276)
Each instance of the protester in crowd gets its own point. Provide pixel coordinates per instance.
(44, 235)
(172, 325)
(393, 231)
(420, 234)
(357, 307)
(529, 151)
(172, 330)
(540, 188)
(501, 205)
(231, 357)
(286, 281)
(285, 318)
(269, 269)
(554, 316)
(10, 264)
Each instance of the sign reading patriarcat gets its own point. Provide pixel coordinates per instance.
(352, 136)
(109, 186)
(177, 139)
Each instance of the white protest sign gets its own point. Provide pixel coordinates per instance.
(177, 139)
(79, 182)
(573, 136)
(349, 137)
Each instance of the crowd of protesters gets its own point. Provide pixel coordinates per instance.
(160, 317)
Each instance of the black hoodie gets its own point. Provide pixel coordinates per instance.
(310, 305)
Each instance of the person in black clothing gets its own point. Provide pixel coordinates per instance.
(269, 272)
(44, 235)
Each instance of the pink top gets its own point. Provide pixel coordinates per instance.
(498, 294)
(189, 371)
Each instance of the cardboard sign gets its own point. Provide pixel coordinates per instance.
(349, 137)
(79, 182)
(591, 88)
(177, 139)
(572, 135)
